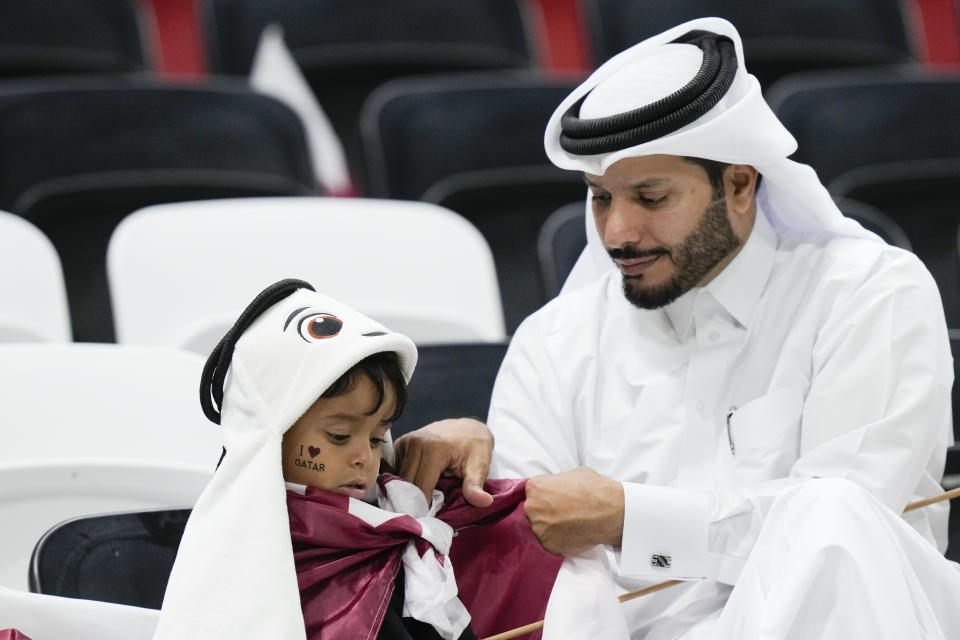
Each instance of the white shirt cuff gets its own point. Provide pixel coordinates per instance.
(665, 532)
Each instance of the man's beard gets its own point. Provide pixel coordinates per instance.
(698, 253)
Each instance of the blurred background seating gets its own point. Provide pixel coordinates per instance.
(91, 428)
(32, 289)
(779, 38)
(346, 48)
(181, 273)
(124, 557)
(78, 154)
(66, 36)
(474, 144)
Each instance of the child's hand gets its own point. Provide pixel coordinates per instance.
(462, 447)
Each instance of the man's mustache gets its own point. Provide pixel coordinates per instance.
(628, 252)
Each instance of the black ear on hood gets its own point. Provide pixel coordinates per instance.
(215, 369)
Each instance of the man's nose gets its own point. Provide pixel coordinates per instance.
(623, 224)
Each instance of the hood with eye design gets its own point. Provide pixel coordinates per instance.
(234, 575)
(293, 352)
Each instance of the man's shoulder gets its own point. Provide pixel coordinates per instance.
(832, 257)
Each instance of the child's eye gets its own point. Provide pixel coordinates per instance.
(376, 442)
(338, 438)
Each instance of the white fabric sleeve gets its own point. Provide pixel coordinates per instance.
(530, 417)
(877, 413)
(664, 531)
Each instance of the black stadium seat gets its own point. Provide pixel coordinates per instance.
(347, 47)
(889, 140)
(561, 241)
(452, 381)
(67, 36)
(124, 558)
(78, 156)
(474, 143)
(778, 37)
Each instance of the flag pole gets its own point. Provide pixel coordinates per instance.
(519, 631)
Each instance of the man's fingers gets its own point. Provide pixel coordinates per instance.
(427, 473)
(408, 458)
(475, 474)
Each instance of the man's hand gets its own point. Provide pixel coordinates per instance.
(461, 446)
(573, 511)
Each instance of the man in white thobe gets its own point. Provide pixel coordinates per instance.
(738, 387)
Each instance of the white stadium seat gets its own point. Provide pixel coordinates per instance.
(181, 273)
(93, 428)
(33, 298)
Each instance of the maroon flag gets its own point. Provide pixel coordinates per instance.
(347, 560)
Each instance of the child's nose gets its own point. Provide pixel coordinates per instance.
(362, 454)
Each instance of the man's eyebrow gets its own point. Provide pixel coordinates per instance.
(649, 183)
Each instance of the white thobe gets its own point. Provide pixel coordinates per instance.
(811, 355)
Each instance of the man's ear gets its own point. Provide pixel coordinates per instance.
(741, 185)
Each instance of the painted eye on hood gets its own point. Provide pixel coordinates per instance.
(319, 326)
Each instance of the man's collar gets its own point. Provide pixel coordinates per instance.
(738, 287)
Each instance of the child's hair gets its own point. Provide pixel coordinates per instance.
(381, 368)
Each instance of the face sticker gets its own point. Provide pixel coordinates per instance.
(307, 463)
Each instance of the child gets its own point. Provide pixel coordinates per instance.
(282, 544)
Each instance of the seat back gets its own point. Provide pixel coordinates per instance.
(36, 496)
(779, 38)
(474, 143)
(94, 428)
(451, 381)
(561, 241)
(875, 220)
(123, 557)
(65, 36)
(33, 298)
(418, 268)
(835, 118)
(348, 47)
(911, 172)
(80, 155)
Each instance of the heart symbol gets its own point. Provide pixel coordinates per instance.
(313, 451)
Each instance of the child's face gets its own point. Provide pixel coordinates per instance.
(335, 445)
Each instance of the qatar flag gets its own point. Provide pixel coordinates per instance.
(348, 554)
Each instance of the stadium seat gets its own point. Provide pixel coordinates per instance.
(33, 299)
(451, 381)
(778, 37)
(910, 172)
(123, 557)
(80, 155)
(348, 47)
(474, 143)
(36, 496)
(560, 242)
(67, 36)
(93, 428)
(875, 220)
(416, 267)
(953, 454)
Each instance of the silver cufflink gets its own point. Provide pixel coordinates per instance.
(660, 560)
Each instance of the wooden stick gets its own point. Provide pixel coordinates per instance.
(948, 495)
(519, 631)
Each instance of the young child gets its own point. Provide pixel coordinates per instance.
(285, 543)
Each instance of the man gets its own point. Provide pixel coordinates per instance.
(738, 385)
